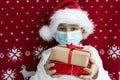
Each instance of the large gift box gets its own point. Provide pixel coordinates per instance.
(70, 59)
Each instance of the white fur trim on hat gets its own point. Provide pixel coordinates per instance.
(45, 33)
(72, 16)
(69, 16)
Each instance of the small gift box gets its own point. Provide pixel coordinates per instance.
(70, 59)
(70, 54)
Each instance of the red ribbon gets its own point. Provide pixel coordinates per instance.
(72, 47)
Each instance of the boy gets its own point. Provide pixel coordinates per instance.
(69, 24)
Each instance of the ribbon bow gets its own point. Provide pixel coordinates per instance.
(72, 47)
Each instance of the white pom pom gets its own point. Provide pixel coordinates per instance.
(45, 33)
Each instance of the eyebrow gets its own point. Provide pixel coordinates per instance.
(74, 25)
(61, 24)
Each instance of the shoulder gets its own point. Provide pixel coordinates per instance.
(45, 54)
(93, 50)
(89, 47)
(46, 51)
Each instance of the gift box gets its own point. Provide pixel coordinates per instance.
(70, 54)
(70, 60)
(69, 69)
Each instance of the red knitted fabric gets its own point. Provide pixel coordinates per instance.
(21, 46)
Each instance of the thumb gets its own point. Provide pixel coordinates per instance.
(92, 61)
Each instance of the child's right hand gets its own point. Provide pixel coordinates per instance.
(48, 65)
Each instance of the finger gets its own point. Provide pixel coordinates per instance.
(49, 65)
(48, 61)
(51, 72)
(92, 61)
(88, 70)
(56, 76)
(85, 77)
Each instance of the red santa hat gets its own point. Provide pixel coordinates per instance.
(66, 12)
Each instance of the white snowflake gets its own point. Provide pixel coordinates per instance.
(9, 74)
(37, 52)
(114, 52)
(14, 54)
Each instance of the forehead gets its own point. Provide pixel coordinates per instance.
(65, 24)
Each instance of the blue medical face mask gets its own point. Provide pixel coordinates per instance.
(73, 37)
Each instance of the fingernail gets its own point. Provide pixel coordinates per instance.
(53, 64)
(54, 70)
(80, 76)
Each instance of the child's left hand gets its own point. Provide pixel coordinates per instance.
(93, 71)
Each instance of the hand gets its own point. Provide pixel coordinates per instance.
(48, 65)
(93, 71)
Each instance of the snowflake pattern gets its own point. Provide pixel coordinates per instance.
(119, 75)
(27, 53)
(14, 54)
(27, 37)
(112, 75)
(1, 55)
(102, 51)
(114, 52)
(9, 74)
(37, 52)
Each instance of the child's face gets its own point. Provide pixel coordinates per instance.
(69, 27)
(69, 33)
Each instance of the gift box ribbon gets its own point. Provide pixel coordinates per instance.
(73, 47)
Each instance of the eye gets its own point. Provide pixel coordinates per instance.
(73, 29)
(61, 29)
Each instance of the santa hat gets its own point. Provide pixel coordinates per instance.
(66, 12)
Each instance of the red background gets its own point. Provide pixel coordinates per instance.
(20, 43)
